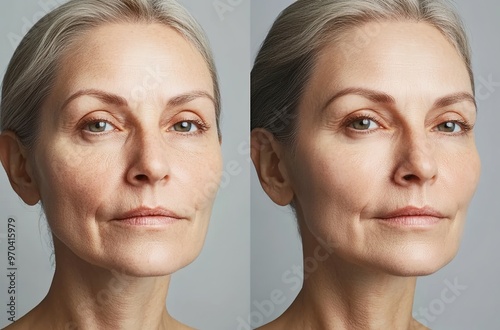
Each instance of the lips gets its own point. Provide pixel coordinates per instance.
(411, 216)
(411, 211)
(145, 216)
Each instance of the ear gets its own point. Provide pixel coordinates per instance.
(268, 159)
(17, 167)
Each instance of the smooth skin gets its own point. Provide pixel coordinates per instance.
(130, 123)
(387, 127)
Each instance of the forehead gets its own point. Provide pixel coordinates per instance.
(399, 58)
(131, 57)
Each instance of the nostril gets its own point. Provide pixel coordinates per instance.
(410, 177)
(141, 177)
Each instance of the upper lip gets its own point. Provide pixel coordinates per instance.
(148, 212)
(412, 211)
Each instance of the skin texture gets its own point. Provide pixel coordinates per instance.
(98, 158)
(360, 156)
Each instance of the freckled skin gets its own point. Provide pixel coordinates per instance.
(142, 158)
(86, 182)
(343, 179)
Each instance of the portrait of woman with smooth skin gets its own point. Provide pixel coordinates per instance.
(371, 141)
(110, 120)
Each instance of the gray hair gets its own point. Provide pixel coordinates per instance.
(33, 67)
(287, 56)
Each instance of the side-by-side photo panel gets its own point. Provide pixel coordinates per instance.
(124, 140)
(374, 184)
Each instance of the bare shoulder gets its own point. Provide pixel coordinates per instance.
(182, 326)
(23, 323)
(419, 326)
(277, 324)
(269, 326)
(30, 320)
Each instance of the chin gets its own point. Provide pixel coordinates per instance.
(155, 260)
(416, 263)
(151, 267)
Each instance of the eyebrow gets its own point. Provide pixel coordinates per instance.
(455, 98)
(114, 99)
(372, 95)
(188, 97)
(98, 94)
(381, 97)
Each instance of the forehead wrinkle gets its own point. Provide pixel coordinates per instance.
(372, 95)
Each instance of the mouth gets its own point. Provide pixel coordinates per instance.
(145, 216)
(411, 216)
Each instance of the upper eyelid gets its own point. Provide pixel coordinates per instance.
(198, 122)
(86, 123)
(191, 115)
(379, 116)
(195, 122)
(463, 122)
(453, 116)
(358, 116)
(100, 115)
(465, 125)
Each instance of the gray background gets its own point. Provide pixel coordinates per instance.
(212, 292)
(275, 244)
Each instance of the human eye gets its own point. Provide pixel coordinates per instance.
(454, 126)
(363, 123)
(189, 126)
(96, 126)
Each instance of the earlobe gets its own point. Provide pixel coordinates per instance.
(267, 156)
(15, 163)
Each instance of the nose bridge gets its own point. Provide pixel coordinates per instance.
(149, 161)
(418, 157)
(419, 146)
(150, 142)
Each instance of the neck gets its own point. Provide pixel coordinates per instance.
(85, 296)
(341, 295)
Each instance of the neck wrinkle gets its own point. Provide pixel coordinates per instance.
(342, 295)
(83, 296)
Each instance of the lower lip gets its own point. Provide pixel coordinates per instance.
(412, 221)
(149, 221)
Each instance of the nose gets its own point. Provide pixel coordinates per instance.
(148, 160)
(417, 163)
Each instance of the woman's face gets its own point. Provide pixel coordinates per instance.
(129, 157)
(385, 162)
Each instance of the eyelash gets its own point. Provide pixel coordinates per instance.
(202, 126)
(351, 120)
(93, 120)
(465, 125)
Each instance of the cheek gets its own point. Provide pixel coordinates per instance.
(333, 184)
(74, 183)
(472, 171)
(460, 170)
(67, 172)
(197, 177)
(337, 178)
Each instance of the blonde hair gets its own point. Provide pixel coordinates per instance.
(287, 55)
(33, 67)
